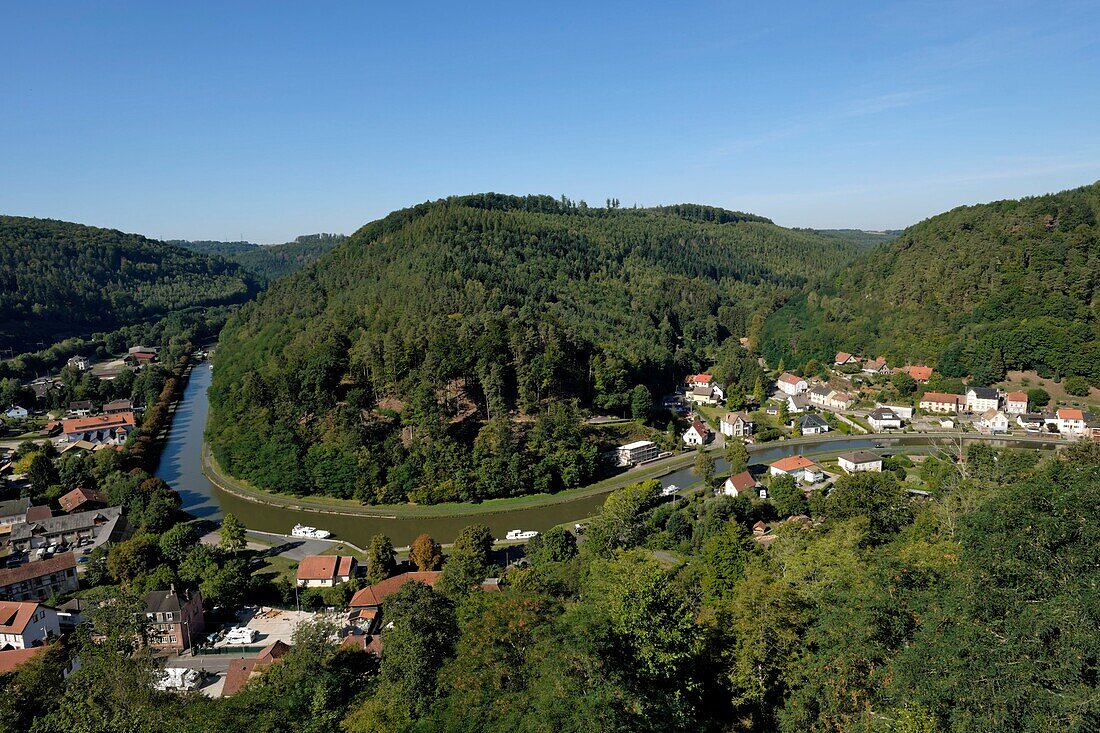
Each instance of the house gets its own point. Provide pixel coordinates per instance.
(905, 412)
(812, 425)
(1032, 422)
(800, 467)
(919, 374)
(325, 571)
(173, 620)
(241, 671)
(366, 605)
(17, 412)
(100, 429)
(860, 460)
(875, 366)
(99, 526)
(843, 358)
(742, 483)
(735, 425)
(790, 384)
(771, 409)
(703, 395)
(24, 624)
(798, 403)
(698, 434)
(824, 396)
(947, 423)
(993, 421)
(883, 418)
(82, 500)
(636, 452)
(1070, 421)
(14, 511)
(43, 386)
(80, 363)
(118, 406)
(81, 408)
(941, 402)
(1016, 403)
(980, 399)
(39, 580)
(698, 380)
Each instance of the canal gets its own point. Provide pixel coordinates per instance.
(181, 466)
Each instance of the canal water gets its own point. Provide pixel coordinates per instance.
(181, 466)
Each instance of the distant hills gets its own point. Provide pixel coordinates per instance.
(977, 290)
(59, 279)
(860, 237)
(270, 262)
(494, 304)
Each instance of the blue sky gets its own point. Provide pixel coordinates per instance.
(269, 120)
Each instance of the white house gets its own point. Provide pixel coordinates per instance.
(860, 460)
(883, 418)
(14, 511)
(1016, 403)
(698, 434)
(875, 366)
(843, 358)
(790, 384)
(993, 421)
(941, 402)
(1032, 422)
(800, 467)
(16, 412)
(735, 425)
(798, 403)
(718, 392)
(636, 452)
(698, 380)
(980, 399)
(25, 624)
(325, 571)
(905, 412)
(80, 363)
(742, 483)
(823, 396)
(1070, 421)
(812, 424)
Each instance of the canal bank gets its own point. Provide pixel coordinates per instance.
(182, 466)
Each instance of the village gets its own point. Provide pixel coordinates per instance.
(49, 547)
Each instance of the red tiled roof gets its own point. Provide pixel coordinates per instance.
(98, 422)
(742, 481)
(793, 463)
(242, 670)
(1066, 413)
(919, 373)
(841, 357)
(700, 378)
(789, 378)
(79, 497)
(15, 615)
(941, 398)
(1016, 396)
(37, 569)
(324, 567)
(10, 660)
(373, 595)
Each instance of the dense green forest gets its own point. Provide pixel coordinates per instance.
(860, 236)
(971, 612)
(977, 290)
(270, 262)
(446, 351)
(59, 280)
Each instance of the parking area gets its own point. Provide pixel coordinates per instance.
(271, 624)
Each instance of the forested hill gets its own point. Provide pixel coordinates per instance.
(273, 261)
(861, 237)
(439, 321)
(979, 289)
(59, 279)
